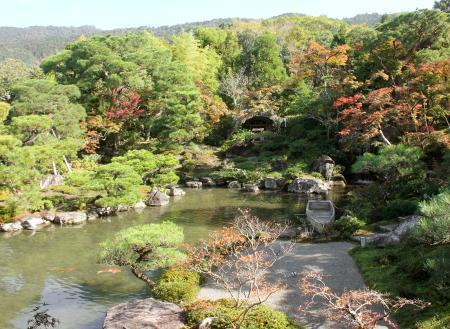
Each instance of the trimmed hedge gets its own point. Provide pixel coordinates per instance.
(225, 313)
(177, 285)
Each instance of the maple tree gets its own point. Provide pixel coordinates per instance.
(238, 258)
(362, 309)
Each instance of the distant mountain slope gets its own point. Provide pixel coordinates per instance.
(32, 44)
(369, 19)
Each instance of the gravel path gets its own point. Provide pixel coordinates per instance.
(332, 259)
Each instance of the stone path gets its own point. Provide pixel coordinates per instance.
(332, 259)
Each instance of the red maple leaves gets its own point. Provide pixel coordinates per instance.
(124, 105)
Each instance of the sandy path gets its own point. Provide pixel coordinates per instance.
(332, 259)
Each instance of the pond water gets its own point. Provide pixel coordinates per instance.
(57, 265)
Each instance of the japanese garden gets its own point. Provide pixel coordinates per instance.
(286, 172)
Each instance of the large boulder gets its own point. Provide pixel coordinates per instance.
(272, 183)
(140, 205)
(70, 218)
(176, 191)
(234, 184)
(51, 180)
(308, 185)
(194, 184)
(49, 216)
(207, 181)
(250, 188)
(122, 208)
(11, 227)
(145, 313)
(33, 222)
(156, 198)
(394, 234)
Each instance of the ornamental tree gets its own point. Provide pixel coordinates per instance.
(391, 163)
(144, 248)
(120, 184)
(156, 169)
(362, 309)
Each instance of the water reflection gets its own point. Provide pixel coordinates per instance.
(58, 264)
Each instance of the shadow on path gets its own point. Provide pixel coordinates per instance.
(332, 259)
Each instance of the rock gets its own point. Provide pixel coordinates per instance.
(308, 186)
(48, 216)
(395, 235)
(105, 211)
(208, 181)
(157, 198)
(363, 182)
(122, 208)
(51, 180)
(92, 215)
(70, 218)
(194, 184)
(250, 188)
(140, 205)
(11, 227)
(33, 222)
(234, 184)
(272, 183)
(176, 191)
(337, 181)
(145, 313)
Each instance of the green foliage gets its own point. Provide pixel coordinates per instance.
(177, 285)
(144, 247)
(434, 227)
(11, 71)
(225, 314)
(261, 59)
(347, 225)
(157, 169)
(120, 183)
(203, 63)
(398, 208)
(391, 163)
(239, 138)
(241, 175)
(4, 111)
(414, 272)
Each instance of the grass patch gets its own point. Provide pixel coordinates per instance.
(414, 272)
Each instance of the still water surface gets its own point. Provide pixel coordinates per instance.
(57, 265)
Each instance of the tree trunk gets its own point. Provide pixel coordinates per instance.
(383, 137)
(140, 275)
(69, 167)
(55, 171)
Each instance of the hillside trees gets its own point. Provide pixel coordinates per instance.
(134, 65)
(41, 136)
(260, 59)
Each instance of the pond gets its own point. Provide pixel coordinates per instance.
(58, 265)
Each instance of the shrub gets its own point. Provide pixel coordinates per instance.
(144, 248)
(178, 285)
(239, 138)
(398, 208)
(434, 227)
(225, 313)
(65, 189)
(240, 175)
(347, 225)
